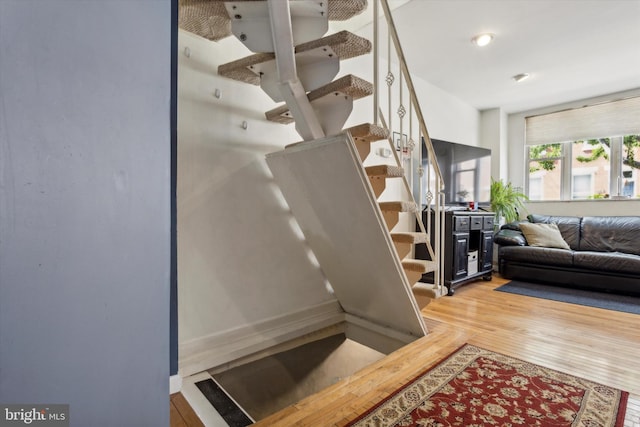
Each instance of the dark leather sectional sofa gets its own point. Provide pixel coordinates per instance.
(604, 254)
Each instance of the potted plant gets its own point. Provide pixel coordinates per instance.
(506, 201)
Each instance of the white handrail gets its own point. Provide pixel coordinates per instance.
(434, 180)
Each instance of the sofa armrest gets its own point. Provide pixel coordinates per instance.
(515, 225)
(509, 237)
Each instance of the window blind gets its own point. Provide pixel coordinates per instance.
(613, 118)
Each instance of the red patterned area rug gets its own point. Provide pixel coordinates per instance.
(477, 387)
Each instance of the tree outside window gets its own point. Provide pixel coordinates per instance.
(598, 168)
(545, 172)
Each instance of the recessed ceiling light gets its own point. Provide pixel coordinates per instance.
(482, 39)
(520, 77)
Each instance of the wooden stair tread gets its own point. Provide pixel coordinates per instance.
(338, 10)
(401, 206)
(344, 44)
(348, 85)
(418, 265)
(425, 289)
(387, 171)
(410, 237)
(368, 132)
(365, 132)
(209, 18)
(240, 69)
(341, 10)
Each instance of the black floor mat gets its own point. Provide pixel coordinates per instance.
(224, 405)
(606, 300)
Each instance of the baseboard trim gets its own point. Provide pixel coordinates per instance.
(175, 384)
(222, 348)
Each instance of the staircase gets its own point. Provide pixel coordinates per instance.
(295, 64)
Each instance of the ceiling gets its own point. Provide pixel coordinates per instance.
(573, 49)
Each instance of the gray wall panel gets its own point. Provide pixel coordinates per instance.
(84, 207)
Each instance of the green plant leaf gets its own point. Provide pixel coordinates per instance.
(506, 201)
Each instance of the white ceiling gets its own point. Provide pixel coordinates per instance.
(573, 49)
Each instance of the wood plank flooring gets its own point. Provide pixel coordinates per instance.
(181, 414)
(597, 344)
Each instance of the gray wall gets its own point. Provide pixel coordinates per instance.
(84, 208)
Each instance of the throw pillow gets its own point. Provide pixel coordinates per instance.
(544, 235)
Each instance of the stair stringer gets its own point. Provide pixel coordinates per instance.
(330, 195)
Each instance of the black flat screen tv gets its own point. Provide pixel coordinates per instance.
(466, 171)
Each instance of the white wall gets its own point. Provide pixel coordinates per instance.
(493, 135)
(517, 169)
(241, 258)
(85, 157)
(446, 116)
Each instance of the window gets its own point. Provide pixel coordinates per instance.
(591, 152)
(582, 186)
(628, 189)
(585, 169)
(630, 167)
(536, 187)
(591, 169)
(545, 172)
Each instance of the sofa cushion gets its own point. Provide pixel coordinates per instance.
(537, 255)
(616, 262)
(569, 227)
(543, 235)
(611, 234)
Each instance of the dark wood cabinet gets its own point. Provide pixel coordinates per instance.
(468, 247)
(460, 246)
(486, 250)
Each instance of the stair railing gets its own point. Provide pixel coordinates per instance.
(424, 183)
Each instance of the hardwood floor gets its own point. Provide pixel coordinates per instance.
(596, 344)
(181, 414)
